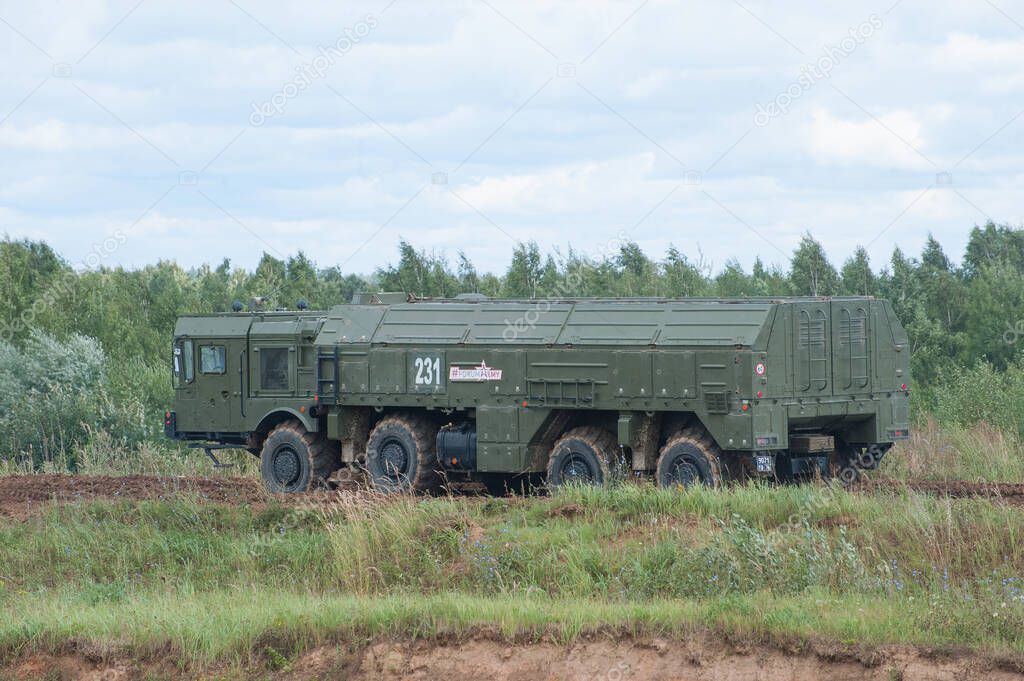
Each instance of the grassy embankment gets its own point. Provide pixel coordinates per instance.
(214, 582)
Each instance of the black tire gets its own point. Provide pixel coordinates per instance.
(871, 457)
(400, 455)
(690, 457)
(581, 456)
(294, 460)
(842, 464)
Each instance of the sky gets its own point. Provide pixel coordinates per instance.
(137, 131)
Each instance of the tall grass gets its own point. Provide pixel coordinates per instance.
(101, 454)
(136, 570)
(946, 451)
(625, 543)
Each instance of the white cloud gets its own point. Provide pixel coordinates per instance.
(890, 140)
(579, 187)
(50, 135)
(994, 62)
(38, 187)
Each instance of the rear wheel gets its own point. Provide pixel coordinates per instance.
(842, 464)
(581, 456)
(294, 460)
(400, 455)
(690, 457)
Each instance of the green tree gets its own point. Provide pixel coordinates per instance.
(990, 244)
(637, 274)
(523, 275)
(680, 277)
(269, 280)
(856, 277)
(811, 273)
(733, 282)
(419, 273)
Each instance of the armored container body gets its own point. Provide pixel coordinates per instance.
(422, 391)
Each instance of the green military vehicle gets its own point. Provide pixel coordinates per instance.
(420, 393)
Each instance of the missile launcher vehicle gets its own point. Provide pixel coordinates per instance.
(417, 393)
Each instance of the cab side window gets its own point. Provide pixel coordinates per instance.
(211, 359)
(188, 361)
(274, 369)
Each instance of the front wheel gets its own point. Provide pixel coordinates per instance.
(294, 460)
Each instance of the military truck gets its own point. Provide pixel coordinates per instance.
(416, 393)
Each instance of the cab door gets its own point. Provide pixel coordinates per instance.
(184, 371)
(216, 386)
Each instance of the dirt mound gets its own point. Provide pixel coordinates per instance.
(21, 495)
(623, 659)
(1010, 492)
(697, 658)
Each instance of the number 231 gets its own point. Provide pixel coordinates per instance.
(428, 370)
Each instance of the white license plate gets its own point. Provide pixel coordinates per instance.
(765, 463)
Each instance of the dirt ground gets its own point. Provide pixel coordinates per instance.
(24, 495)
(596, 659)
(1009, 492)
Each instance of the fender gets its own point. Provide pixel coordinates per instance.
(282, 414)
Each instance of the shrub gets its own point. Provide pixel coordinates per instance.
(54, 394)
(966, 396)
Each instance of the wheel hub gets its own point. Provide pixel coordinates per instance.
(685, 473)
(287, 466)
(395, 459)
(575, 469)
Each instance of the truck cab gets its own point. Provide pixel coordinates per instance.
(236, 376)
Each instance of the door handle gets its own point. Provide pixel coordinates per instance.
(241, 382)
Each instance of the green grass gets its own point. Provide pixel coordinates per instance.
(234, 624)
(627, 542)
(216, 582)
(104, 456)
(979, 452)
